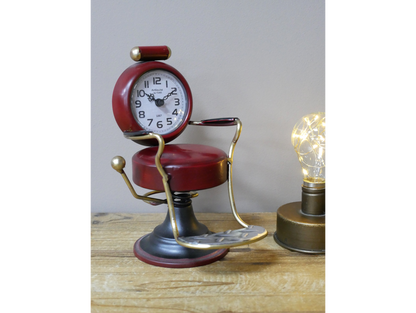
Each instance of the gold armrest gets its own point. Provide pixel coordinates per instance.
(228, 121)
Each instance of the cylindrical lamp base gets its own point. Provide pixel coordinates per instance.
(298, 231)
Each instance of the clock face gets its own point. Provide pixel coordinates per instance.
(159, 102)
(152, 96)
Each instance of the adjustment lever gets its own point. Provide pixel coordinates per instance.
(118, 163)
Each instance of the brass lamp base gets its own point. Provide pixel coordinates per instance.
(300, 232)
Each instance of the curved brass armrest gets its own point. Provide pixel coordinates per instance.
(228, 121)
(118, 163)
(223, 121)
(140, 133)
(145, 135)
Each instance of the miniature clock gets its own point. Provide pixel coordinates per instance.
(152, 105)
(154, 97)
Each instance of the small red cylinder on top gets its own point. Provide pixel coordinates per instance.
(150, 53)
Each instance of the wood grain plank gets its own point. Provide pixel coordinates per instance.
(262, 277)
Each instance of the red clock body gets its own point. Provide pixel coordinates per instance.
(152, 96)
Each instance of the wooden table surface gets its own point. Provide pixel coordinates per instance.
(262, 277)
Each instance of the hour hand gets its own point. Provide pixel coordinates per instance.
(150, 97)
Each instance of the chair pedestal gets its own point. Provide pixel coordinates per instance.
(160, 248)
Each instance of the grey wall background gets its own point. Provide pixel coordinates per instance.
(262, 61)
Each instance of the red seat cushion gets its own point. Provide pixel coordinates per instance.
(189, 167)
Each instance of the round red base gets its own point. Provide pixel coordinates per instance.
(177, 263)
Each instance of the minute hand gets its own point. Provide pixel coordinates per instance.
(169, 94)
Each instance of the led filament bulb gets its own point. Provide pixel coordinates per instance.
(300, 226)
(308, 139)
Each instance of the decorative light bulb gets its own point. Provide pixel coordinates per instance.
(308, 139)
(300, 226)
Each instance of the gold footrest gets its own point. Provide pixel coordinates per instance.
(226, 239)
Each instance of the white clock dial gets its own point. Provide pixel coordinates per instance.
(159, 102)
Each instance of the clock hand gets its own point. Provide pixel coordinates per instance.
(161, 102)
(158, 102)
(150, 97)
(169, 94)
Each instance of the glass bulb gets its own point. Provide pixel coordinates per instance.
(308, 139)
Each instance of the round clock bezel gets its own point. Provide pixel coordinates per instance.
(121, 98)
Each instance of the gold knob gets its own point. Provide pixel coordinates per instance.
(135, 54)
(118, 163)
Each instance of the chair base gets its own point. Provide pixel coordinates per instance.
(160, 248)
(177, 263)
